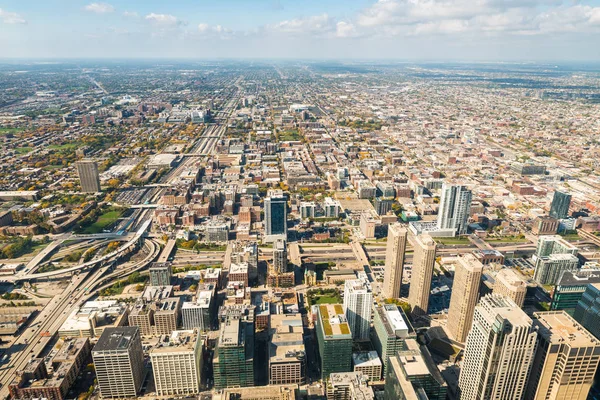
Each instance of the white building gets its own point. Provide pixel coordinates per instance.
(455, 208)
(499, 351)
(177, 364)
(358, 301)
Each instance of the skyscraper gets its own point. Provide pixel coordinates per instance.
(391, 329)
(334, 339)
(177, 364)
(88, 176)
(587, 312)
(394, 260)
(119, 362)
(561, 202)
(465, 293)
(566, 358)
(511, 285)
(498, 352)
(160, 273)
(280, 262)
(358, 300)
(233, 360)
(553, 256)
(455, 207)
(275, 216)
(413, 374)
(422, 272)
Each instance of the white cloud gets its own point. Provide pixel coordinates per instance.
(164, 19)
(317, 24)
(11, 17)
(99, 8)
(130, 14)
(526, 17)
(345, 29)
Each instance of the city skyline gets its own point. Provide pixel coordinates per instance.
(537, 30)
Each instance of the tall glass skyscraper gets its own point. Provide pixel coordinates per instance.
(455, 207)
(275, 216)
(560, 205)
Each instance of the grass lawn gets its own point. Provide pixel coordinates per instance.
(325, 299)
(103, 221)
(453, 240)
(6, 131)
(23, 150)
(287, 136)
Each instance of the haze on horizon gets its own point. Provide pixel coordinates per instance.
(466, 30)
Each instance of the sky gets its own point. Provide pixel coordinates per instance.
(436, 30)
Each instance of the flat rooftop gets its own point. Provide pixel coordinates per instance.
(366, 359)
(579, 278)
(333, 320)
(393, 320)
(178, 341)
(562, 328)
(116, 338)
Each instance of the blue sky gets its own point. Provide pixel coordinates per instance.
(495, 30)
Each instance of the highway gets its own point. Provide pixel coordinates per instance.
(83, 286)
(91, 263)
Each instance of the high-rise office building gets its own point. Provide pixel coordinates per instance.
(570, 288)
(422, 272)
(508, 283)
(88, 176)
(160, 273)
(561, 202)
(553, 256)
(199, 314)
(565, 361)
(358, 301)
(287, 354)
(334, 339)
(177, 364)
(233, 360)
(498, 352)
(549, 269)
(412, 374)
(465, 293)
(553, 244)
(455, 208)
(275, 216)
(391, 330)
(119, 362)
(280, 262)
(394, 260)
(587, 312)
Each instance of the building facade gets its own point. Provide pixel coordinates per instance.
(455, 208)
(498, 352)
(465, 294)
(119, 362)
(566, 358)
(334, 340)
(422, 273)
(358, 301)
(394, 260)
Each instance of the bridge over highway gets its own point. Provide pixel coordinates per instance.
(66, 271)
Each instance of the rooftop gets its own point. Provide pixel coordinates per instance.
(116, 338)
(334, 321)
(560, 327)
(365, 359)
(178, 341)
